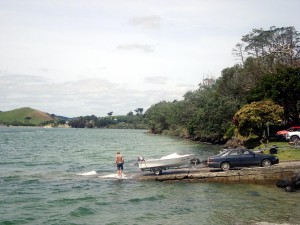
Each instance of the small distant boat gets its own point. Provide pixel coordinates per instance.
(166, 162)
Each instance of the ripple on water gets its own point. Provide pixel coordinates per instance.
(71, 201)
(82, 211)
(147, 199)
(59, 176)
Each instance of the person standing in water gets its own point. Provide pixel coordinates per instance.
(119, 162)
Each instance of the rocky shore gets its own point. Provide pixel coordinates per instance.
(253, 175)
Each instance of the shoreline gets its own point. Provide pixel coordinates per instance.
(250, 175)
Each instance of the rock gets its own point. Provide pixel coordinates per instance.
(290, 184)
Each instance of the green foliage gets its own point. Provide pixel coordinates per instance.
(283, 87)
(213, 115)
(234, 83)
(117, 122)
(129, 122)
(252, 118)
(78, 122)
(252, 142)
(273, 46)
(130, 113)
(230, 132)
(270, 51)
(24, 117)
(159, 116)
(202, 115)
(139, 111)
(214, 112)
(285, 150)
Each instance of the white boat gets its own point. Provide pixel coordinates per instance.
(165, 162)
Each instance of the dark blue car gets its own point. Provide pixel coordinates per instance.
(239, 158)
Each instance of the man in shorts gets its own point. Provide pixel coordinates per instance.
(119, 162)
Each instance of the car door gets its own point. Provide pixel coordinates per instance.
(248, 158)
(234, 158)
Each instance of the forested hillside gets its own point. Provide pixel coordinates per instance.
(250, 99)
(268, 74)
(129, 121)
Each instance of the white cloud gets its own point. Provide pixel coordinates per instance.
(145, 48)
(77, 98)
(149, 22)
(156, 80)
(90, 57)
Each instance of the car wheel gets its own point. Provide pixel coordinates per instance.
(266, 163)
(225, 166)
(295, 138)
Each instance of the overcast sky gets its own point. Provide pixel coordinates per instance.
(91, 57)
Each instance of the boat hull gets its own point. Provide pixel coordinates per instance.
(173, 160)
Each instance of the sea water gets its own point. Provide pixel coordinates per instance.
(68, 176)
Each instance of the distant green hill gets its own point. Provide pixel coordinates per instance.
(24, 117)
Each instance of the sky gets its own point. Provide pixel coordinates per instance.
(91, 57)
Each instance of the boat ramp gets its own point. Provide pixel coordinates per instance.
(253, 175)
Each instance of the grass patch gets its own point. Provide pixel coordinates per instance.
(285, 150)
(24, 117)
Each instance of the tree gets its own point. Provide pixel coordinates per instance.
(27, 118)
(211, 118)
(78, 123)
(239, 52)
(158, 117)
(279, 45)
(110, 113)
(130, 113)
(139, 111)
(234, 83)
(89, 125)
(104, 122)
(207, 112)
(252, 118)
(283, 88)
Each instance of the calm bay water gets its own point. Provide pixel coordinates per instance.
(66, 176)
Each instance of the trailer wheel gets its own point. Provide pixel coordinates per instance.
(157, 171)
